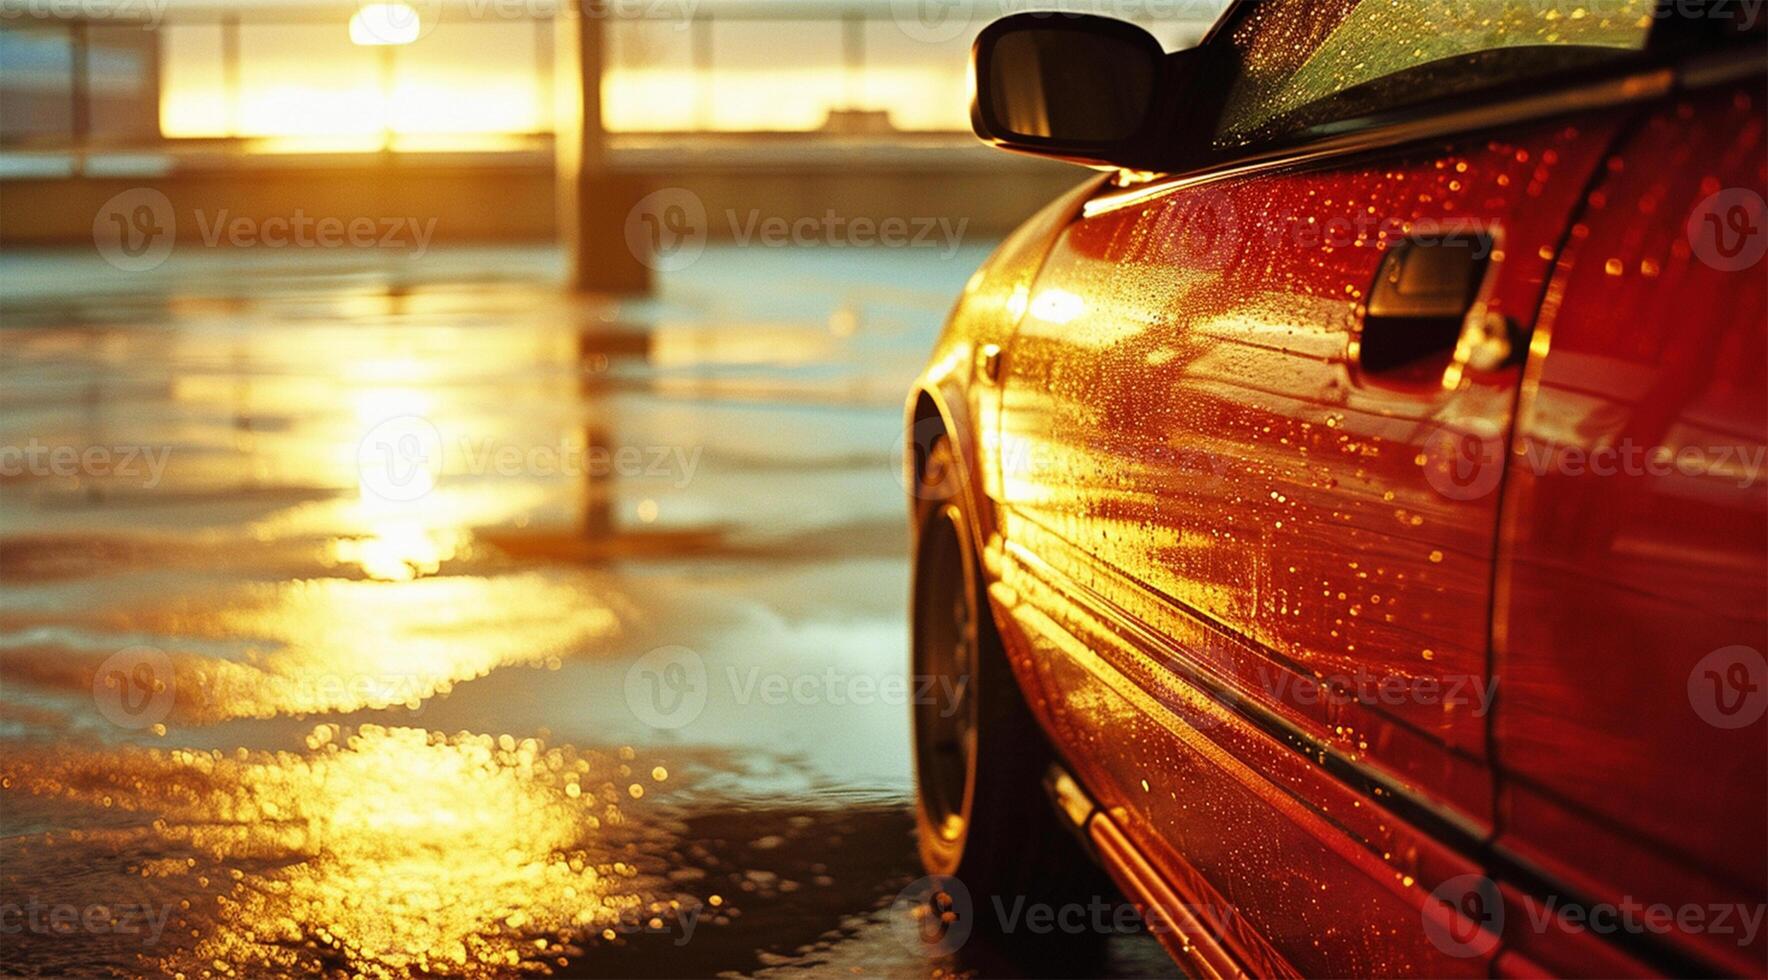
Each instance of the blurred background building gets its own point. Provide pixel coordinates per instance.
(415, 505)
(451, 108)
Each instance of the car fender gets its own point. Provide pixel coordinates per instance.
(954, 393)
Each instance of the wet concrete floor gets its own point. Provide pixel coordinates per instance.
(385, 617)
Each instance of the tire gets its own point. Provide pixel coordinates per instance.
(981, 814)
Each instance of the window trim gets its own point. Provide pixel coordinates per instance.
(1628, 84)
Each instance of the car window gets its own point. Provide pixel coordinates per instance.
(1302, 63)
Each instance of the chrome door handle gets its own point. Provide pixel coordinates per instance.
(1424, 310)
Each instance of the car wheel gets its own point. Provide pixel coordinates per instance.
(981, 813)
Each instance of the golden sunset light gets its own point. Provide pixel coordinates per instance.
(886, 489)
(384, 24)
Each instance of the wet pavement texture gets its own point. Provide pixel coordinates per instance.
(386, 617)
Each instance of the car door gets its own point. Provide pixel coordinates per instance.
(1632, 613)
(1251, 427)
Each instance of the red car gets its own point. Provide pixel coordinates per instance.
(1350, 508)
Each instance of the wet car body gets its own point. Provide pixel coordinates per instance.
(1373, 661)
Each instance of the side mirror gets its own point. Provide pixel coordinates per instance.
(1070, 86)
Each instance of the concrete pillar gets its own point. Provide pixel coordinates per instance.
(593, 202)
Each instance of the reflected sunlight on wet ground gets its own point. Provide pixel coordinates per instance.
(414, 618)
